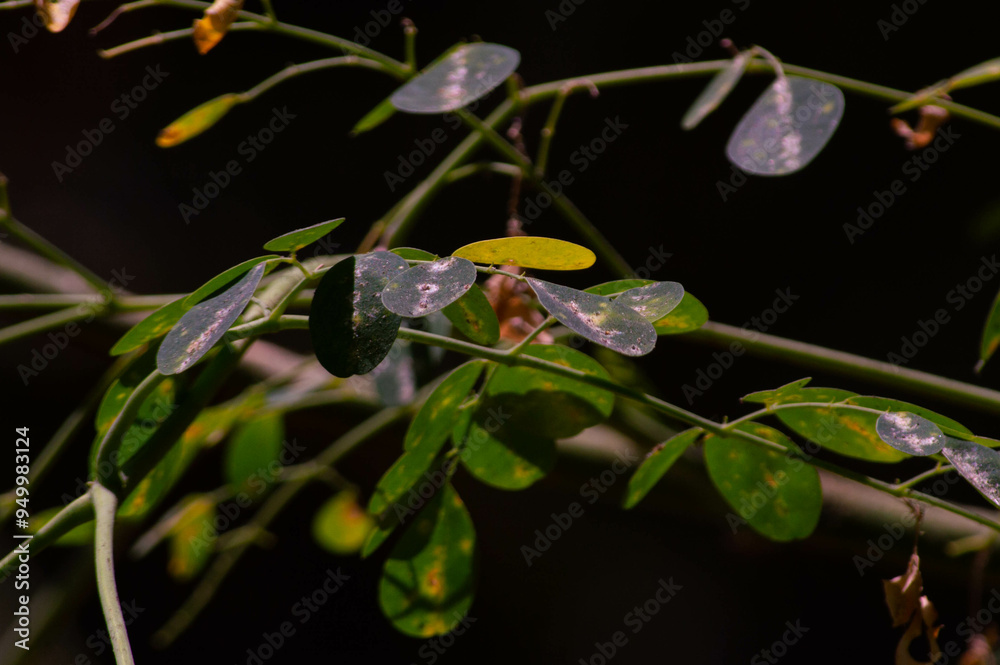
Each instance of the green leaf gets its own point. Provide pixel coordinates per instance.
(658, 463)
(474, 317)
(428, 581)
(716, 91)
(154, 410)
(429, 287)
(788, 392)
(545, 404)
(293, 241)
(991, 335)
(617, 286)
(505, 457)
(351, 329)
(120, 390)
(196, 121)
(598, 318)
(252, 456)
(846, 431)
(977, 464)
(528, 252)
(910, 433)
(949, 426)
(225, 279)
(413, 254)
(466, 74)
(158, 323)
(341, 526)
(984, 72)
(434, 420)
(786, 127)
(778, 496)
(378, 535)
(382, 112)
(192, 540)
(689, 315)
(653, 301)
(411, 468)
(205, 324)
(75, 537)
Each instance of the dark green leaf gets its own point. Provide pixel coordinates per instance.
(778, 495)
(428, 581)
(789, 391)
(465, 75)
(910, 433)
(251, 461)
(597, 318)
(351, 329)
(474, 317)
(716, 91)
(224, 279)
(436, 417)
(617, 286)
(658, 463)
(341, 526)
(378, 535)
(689, 315)
(412, 467)
(503, 456)
(977, 464)
(293, 241)
(786, 127)
(158, 323)
(948, 425)
(429, 287)
(653, 301)
(205, 324)
(413, 254)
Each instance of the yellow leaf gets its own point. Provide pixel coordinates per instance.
(213, 26)
(529, 252)
(56, 13)
(196, 121)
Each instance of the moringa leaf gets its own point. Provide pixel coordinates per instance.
(293, 241)
(464, 75)
(205, 324)
(351, 329)
(787, 126)
(156, 324)
(528, 252)
(657, 464)
(429, 287)
(436, 417)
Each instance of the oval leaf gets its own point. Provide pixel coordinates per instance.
(429, 287)
(351, 329)
(910, 433)
(428, 580)
(653, 301)
(196, 121)
(779, 496)
(436, 417)
(597, 318)
(252, 456)
(224, 279)
(786, 127)
(156, 324)
(465, 75)
(658, 463)
(716, 91)
(293, 241)
(341, 526)
(192, 540)
(689, 315)
(474, 317)
(977, 464)
(205, 324)
(529, 252)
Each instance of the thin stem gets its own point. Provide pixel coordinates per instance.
(112, 439)
(502, 168)
(523, 344)
(77, 512)
(410, 44)
(549, 130)
(122, 9)
(164, 37)
(269, 10)
(105, 505)
(316, 65)
(503, 146)
(48, 321)
(22, 301)
(921, 477)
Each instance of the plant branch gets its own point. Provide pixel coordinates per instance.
(77, 512)
(49, 321)
(297, 70)
(105, 506)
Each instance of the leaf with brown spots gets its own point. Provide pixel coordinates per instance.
(428, 581)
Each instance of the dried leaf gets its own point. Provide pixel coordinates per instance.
(56, 13)
(213, 26)
(902, 594)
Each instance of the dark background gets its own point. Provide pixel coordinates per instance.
(654, 186)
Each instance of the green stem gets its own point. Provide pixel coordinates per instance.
(316, 65)
(77, 512)
(549, 130)
(269, 10)
(48, 321)
(410, 44)
(164, 37)
(523, 344)
(105, 505)
(111, 441)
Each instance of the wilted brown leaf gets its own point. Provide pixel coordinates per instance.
(902, 594)
(56, 13)
(931, 118)
(906, 605)
(213, 26)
